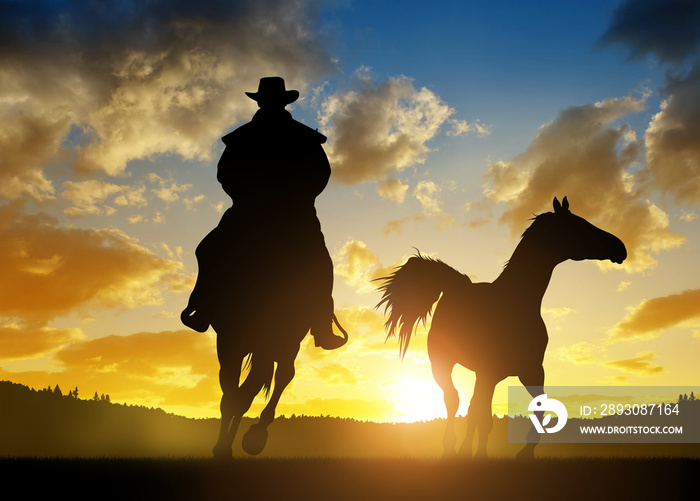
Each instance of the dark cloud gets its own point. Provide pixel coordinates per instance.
(104, 27)
(673, 140)
(666, 29)
(129, 80)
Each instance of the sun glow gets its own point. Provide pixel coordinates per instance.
(417, 400)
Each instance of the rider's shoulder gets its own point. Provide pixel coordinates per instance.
(312, 134)
(238, 135)
(253, 130)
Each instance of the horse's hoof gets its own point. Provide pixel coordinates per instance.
(222, 452)
(255, 439)
(465, 451)
(526, 453)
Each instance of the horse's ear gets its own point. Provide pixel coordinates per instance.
(557, 205)
(565, 204)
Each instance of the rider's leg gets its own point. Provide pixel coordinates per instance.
(321, 296)
(196, 315)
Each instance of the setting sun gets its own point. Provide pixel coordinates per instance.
(416, 400)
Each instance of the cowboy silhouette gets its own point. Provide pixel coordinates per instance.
(273, 168)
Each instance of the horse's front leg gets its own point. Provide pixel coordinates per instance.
(236, 400)
(534, 382)
(479, 416)
(228, 380)
(256, 437)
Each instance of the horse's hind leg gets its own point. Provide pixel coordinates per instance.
(256, 437)
(442, 372)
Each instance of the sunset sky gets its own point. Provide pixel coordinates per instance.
(449, 125)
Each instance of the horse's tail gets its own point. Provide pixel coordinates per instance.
(411, 291)
(261, 368)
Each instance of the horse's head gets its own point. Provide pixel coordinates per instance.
(571, 237)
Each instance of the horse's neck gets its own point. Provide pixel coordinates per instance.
(527, 274)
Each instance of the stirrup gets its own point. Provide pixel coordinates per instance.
(332, 342)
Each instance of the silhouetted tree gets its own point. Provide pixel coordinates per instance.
(57, 391)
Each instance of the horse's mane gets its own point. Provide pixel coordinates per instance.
(529, 230)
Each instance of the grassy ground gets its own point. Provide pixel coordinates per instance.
(353, 479)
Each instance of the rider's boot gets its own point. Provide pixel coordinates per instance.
(195, 316)
(322, 330)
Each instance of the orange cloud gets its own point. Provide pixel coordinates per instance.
(146, 354)
(337, 374)
(653, 316)
(354, 262)
(18, 343)
(50, 270)
(358, 266)
(89, 197)
(166, 369)
(639, 365)
(582, 353)
(368, 338)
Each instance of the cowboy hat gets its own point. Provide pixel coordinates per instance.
(273, 89)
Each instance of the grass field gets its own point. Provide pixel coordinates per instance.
(353, 479)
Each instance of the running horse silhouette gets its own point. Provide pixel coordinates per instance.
(265, 275)
(494, 329)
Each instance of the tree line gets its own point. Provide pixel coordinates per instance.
(56, 391)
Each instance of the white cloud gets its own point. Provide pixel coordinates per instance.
(583, 155)
(379, 129)
(393, 189)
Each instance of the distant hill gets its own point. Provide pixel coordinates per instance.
(46, 423)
